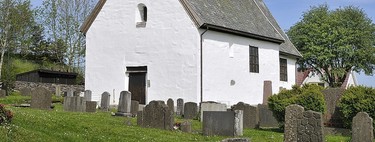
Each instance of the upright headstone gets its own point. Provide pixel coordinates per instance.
(186, 127)
(362, 128)
(87, 96)
(180, 107)
(74, 104)
(25, 91)
(57, 90)
(250, 115)
(41, 98)
(105, 101)
(124, 104)
(267, 91)
(190, 110)
(157, 115)
(211, 106)
(3, 93)
(91, 106)
(134, 107)
(292, 113)
(170, 104)
(70, 92)
(224, 123)
(266, 118)
(310, 127)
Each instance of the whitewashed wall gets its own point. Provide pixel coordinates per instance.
(168, 46)
(291, 65)
(226, 58)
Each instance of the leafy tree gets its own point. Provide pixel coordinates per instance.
(335, 42)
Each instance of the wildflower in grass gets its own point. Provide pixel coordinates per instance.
(5, 115)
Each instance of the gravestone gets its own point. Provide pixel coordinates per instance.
(124, 104)
(41, 98)
(134, 107)
(87, 96)
(140, 118)
(266, 118)
(170, 104)
(3, 94)
(250, 115)
(91, 106)
(58, 90)
(362, 128)
(236, 140)
(70, 92)
(105, 101)
(74, 104)
(186, 127)
(267, 91)
(157, 115)
(292, 113)
(310, 127)
(333, 116)
(223, 123)
(211, 106)
(190, 110)
(180, 107)
(25, 91)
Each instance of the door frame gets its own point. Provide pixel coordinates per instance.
(138, 69)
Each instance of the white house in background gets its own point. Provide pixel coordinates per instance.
(198, 50)
(307, 77)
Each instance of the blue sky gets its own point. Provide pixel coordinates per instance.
(289, 12)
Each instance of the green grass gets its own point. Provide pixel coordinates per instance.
(56, 125)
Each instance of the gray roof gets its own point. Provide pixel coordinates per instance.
(245, 17)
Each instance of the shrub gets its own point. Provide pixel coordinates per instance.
(308, 96)
(357, 99)
(5, 115)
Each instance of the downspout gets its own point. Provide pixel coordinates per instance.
(201, 50)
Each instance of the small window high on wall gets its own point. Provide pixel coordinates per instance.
(141, 15)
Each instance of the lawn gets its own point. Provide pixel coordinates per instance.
(57, 125)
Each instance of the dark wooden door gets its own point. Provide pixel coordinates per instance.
(137, 86)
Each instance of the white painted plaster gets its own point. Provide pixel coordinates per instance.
(291, 67)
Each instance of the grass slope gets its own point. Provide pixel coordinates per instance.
(56, 125)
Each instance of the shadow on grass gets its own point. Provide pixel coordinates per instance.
(278, 130)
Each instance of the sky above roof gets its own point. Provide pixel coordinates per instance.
(289, 12)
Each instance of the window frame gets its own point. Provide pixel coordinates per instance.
(283, 69)
(254, 59)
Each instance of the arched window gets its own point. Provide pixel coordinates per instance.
(141, 15)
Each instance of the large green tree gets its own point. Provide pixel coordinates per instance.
(334, 42)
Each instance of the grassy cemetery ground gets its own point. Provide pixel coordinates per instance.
(56, 125)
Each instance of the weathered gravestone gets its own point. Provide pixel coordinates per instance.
(362, 128)
(186, 126)
(105, 101)
(292, 113)
(134, 107)
(266, 118)
(124, 104)
(140, 118)
(87, 96)
(250, 115)
(223, 123)
(211, 106)
(41, 98)
(74, 104)
(180, 107)
(25, 91)
(333, 116)
(157, 115)
(310, 127)
(267, 91)
(57, 90)
(236, 140)
(170, 104)
(3, 93)
(91, 106)
(70, 92)
(190, 110)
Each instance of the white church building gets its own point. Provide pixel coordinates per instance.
(198, 50)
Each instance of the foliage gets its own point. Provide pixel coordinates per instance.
(309, 96)
(357, 99)
(5, 115)
(335, 42)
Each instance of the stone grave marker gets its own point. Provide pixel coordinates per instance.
(41, 98)
(190, 110)
(362, 128)
(124, 104)
(170, 104)
(310, 127)
(105, 101)
(70, 92)
(267, 91)
(211, 106)
(266, 118)
(74, 104)
(140, 118)
(292, 113)
(58, 90)
(186, 127)
(250, 115)
(134, 107)
(3, 94)
(88, 95)
(180, 107)
(157, 115)
(91, 106)
(223, 123)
